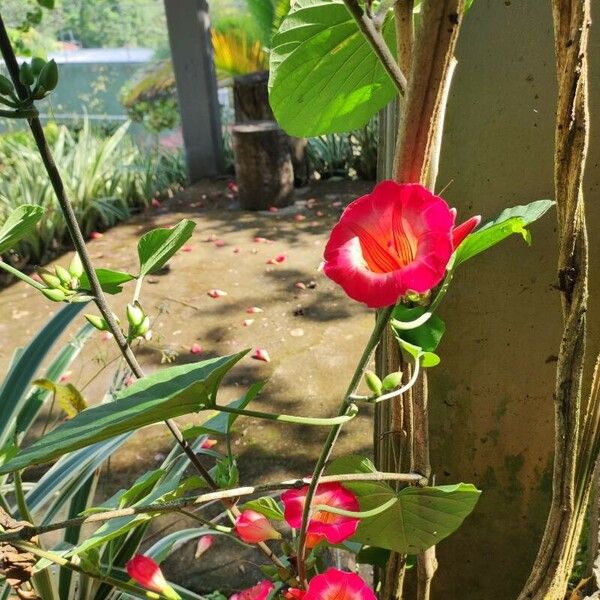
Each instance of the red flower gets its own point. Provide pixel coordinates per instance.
(338, 585)
(397, 239)
(253, 527)
(294, 594)
(323, 525)
(259, 592)
(148, 574)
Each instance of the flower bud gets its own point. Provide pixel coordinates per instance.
(373, 382)
(204, 544)
(144, 327)
(48, 78)
(49, 278)
(26, 74)
(135, 315)
(54, 295)
(148, 574)
(37, 64)
(98, 322)
(392, 381)
(76, 266)
(63, 275)
(253, 527)
(6, 86)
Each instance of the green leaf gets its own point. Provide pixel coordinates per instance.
(166, 492)
(18, 224)
(371, 555)
(428, 359)
(111, 281)
(509, 221)
(426, 336)
(165, 394)
(156, 247)
(421, 518)
(267, 506)
(324, 75)
(46, 3)
(13, 397)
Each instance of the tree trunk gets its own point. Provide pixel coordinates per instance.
(263, 165)
(571, 487)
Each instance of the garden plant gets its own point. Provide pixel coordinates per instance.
(334, 65)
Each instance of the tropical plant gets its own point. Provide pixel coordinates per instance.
(107, 178)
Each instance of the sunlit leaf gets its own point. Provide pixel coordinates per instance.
(324, 75)
(156, 247)
(509, 221)
(69, 398)
(18, 224)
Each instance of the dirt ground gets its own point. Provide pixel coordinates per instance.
(313, 334)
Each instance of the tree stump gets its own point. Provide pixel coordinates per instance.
(263, 165)
(251, 103)
(251, 98)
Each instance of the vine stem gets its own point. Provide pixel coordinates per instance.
(27, 532)
(383, 318)
(79, 243)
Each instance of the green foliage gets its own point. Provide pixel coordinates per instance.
(13, 393)
(426, 336)
(509, 221)
(325, 77)
(18, 224)
(421, 517)
(156, 247)
(163, 395)
(105, 178)
(267, 506)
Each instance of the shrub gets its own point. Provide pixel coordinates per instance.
(105, 178)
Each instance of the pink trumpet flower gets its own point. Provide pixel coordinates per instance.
(323, 525)
(251, 310)
(259, 592)
(253, 527)
(216, 293)
(261, 354)
(147, 573)
(195, 348)
(395, 240)
(338, 585)
(208, 443)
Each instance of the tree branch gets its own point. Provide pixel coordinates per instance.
(378, 43)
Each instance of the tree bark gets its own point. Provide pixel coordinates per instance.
(430, 59)
(263, 165)
(556, 555)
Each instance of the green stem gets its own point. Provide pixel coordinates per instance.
(442, 291)
(138, 289)
(365, 514)
(382, 320)
(324, 422)
(10, 269)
